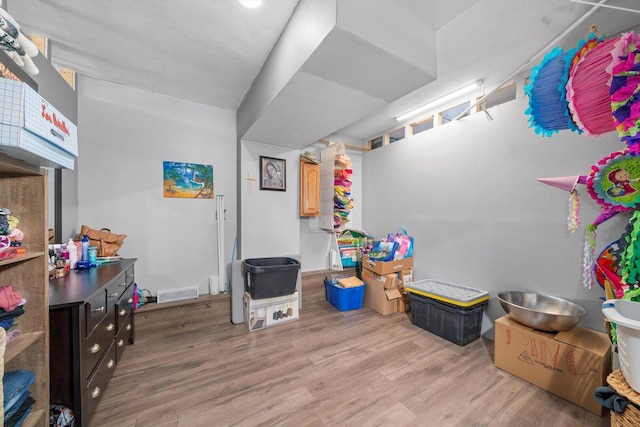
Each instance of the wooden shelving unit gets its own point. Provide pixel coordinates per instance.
(23, 190)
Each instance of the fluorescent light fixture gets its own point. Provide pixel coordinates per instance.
(440, 100)
(251, 4)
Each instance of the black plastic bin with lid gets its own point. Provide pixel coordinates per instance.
(270, 277)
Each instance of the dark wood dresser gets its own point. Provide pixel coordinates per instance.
(90, 325)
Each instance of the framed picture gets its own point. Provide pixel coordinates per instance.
(187, 180)
(273, 174)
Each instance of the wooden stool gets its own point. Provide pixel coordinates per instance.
(631, 415)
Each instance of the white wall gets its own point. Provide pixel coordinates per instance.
(271, 222)
(69, 196)
(468, 193)
(125, 134)
(270, 219)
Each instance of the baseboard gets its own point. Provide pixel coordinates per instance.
(324, 273)
(202, 299)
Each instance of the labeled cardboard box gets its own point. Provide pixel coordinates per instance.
(386, 267)
(569, 364)
(406, 276)
(34, 130)
(379, 292)
(265, 312)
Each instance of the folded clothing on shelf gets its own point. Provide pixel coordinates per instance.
(17, 401)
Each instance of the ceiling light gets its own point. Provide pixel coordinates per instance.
(251, 4)
(440, 100)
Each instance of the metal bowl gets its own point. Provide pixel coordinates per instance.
(542, 312)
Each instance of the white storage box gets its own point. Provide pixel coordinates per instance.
(626, 315)
(265, 312)
(33, 130)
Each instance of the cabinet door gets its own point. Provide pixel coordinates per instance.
(309, 189)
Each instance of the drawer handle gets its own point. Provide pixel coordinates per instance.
(123, 284)
(110, 363)
(123, 312)
(128, 326)
(110, 327)
(120, 343)
(96, 392)
(95, 348)
(99, 310)
(114, 295)
(130, 300)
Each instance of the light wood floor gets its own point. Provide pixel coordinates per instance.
(353, 368)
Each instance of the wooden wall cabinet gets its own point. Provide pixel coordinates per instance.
(309, 188)
(23, 190)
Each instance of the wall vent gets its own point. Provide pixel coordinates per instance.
(177, 294)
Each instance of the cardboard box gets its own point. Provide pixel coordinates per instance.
(391, 281)
(569, 364)
(265, 312)
(386, 267)
(33, 130)
(406, 276)
(403, 303)
(382, 300)
(349, 282)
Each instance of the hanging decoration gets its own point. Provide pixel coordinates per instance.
(629, 244)
(569, 183)
(588, 88)
(607, 271)
(625, 85)
(548, 108)
(614, 181)
(602, 94)
(573, 220)
(612, 184)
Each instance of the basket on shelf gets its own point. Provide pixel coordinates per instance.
(631, 415)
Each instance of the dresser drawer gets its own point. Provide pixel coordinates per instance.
(115, 289)
(123, 337)
(98, 382)
(96, 343)
(124, 307)
(129, 275)
(95, 309)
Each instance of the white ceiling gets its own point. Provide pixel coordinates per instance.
(210, 51)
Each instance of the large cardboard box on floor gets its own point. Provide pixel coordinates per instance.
(569, 364)
(381, 292)
(387, 267)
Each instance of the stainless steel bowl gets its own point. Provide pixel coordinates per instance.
(542, 312)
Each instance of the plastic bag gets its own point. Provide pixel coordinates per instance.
(383, 251)
(404, 241)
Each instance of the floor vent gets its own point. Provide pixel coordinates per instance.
(177, 294)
